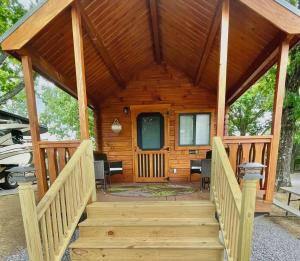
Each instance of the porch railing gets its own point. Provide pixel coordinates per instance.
(235, 208)
(249, 149)
(55, 155)
(50, 225)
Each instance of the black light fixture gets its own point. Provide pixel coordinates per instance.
(126, 110)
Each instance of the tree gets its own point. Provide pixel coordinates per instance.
(251, 113)
(60, 114)
(11, 82)
(290, 117)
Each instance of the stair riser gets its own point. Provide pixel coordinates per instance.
(144, 232)
(147, 254)
(151, 212)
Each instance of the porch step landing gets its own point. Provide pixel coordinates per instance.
(167, 230)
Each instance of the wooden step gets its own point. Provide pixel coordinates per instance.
(146, 228)
(89, 249)
(151, 209)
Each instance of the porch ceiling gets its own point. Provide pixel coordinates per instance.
(123, 37)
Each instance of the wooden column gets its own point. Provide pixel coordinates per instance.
(97, 129)
(277, 114)
(223, 68)
(80, 73)
(38, 155)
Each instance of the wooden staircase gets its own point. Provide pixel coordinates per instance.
(160, 230)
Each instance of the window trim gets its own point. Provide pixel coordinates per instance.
(210, 111)
(194, 114)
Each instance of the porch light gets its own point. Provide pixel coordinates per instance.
(116, 127)
(126, 110)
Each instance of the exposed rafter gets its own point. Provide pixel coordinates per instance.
(47, 70)
(155, 30)
(215, 24)
(99, 46)
(260, 65)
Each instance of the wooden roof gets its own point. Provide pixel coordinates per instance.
(122, 38)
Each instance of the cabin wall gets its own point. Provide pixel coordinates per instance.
(155, 85)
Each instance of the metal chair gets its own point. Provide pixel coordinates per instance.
(195, 167)
(102, 169)
(205, 173)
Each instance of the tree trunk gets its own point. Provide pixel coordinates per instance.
(286, 148)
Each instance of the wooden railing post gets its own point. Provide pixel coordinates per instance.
(92, 173)
(30, 221)
(247, 217)
(213, 169)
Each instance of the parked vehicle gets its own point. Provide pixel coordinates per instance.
(14, 149)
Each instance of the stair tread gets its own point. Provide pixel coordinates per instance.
(165, 243)
(152, 203)
(129, 222)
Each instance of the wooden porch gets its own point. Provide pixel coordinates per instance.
(168, 62)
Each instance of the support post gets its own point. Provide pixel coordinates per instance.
(223, 68)
(80, 72)
(38, 155)
(91, 171)
(247, 218)
(30, 221)
(97, 129)
(277, 114)
(213, 171)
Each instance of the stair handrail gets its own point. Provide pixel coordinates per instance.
(50, 225)
(235, 208)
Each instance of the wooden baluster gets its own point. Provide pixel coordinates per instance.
(30, 221)
(54, 227)
(61, 158)
(59, 218)
(50, 234)
(63, 210)
(45, 238)
(233, 148)
(52, 164)
(67, 193)
(246, 152)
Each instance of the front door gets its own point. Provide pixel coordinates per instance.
(150, 143)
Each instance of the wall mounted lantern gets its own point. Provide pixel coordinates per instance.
(116, 127)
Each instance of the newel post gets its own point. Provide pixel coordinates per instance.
(213, 170)
(250, 176)
(30, 221)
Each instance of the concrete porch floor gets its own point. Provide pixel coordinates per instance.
(261, 205)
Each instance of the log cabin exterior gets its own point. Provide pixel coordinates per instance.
(164, 59)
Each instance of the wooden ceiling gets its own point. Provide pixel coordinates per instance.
(121, 38)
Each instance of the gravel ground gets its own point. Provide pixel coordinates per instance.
(273, 243)
(22, 255)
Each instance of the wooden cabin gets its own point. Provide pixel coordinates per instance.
(167, 72)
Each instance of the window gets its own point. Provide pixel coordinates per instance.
(194, 129)
(150, 131)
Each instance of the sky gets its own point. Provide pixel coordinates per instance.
(27, 3)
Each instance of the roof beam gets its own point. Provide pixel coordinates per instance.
(215, 24)
(261, 64)
(32, 24)
(99, 46)
(275, 12)
(155, 30)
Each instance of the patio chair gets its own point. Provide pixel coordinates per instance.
(205, 173)
(102, 169)
(195, 167)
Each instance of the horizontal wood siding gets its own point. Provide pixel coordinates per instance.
(155, 85)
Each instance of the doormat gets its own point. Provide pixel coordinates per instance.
(151, 190)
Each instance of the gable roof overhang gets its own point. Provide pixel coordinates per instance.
(276, 18)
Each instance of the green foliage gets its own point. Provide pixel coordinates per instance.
(251, 113)
(60, 114)
(10, 70)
